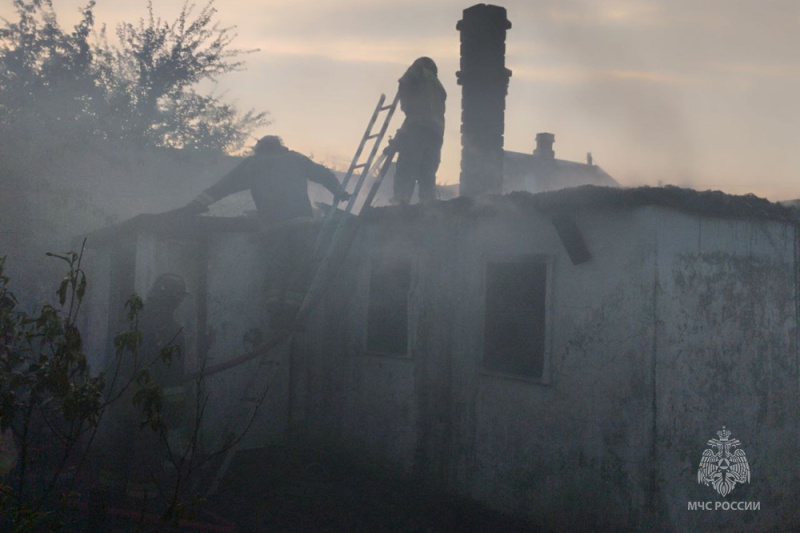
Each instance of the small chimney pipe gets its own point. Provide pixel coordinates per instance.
(544, 145)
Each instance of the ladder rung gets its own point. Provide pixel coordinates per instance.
(360, 165)
(374, 136)
(384, 108)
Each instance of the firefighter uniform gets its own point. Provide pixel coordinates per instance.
(277, 180)
(419, 140)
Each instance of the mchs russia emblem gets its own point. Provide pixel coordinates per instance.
(722, 466)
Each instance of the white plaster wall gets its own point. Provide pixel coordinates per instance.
(235, 305)
(96, 312)
(547, 449)
(726, 356)
(517, 445)
(639, 337)
(223, 272)
(345, 393)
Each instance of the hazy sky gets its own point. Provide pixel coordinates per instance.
(700, 93)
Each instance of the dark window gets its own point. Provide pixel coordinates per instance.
(515, 318)
(387, 323)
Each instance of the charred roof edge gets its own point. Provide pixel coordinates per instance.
(708, 203)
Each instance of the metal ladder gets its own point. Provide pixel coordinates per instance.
(244, 412)
(356, 165)
(337, 237)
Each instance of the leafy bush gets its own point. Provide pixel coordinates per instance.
(51, 405)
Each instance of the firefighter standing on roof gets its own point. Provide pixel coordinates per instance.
(277, 180)
(418, 142)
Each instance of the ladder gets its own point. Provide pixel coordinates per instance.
(356, 165)
(244, 414)
(259, 383)
(340, 238)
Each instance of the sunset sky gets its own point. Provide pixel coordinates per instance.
(700, 93)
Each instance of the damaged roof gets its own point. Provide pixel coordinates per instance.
(168, 224)
(705, 203)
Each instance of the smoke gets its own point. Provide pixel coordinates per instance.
(53, 194)
(594, 54)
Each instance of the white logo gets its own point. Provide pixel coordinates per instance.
(721, 466)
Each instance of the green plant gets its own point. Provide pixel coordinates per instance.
(53, 405)
(48, 400)
(51, 402)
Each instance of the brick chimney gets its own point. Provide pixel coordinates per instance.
(544, 146)
(484, 85)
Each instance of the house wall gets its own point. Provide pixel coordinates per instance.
(343, 393)
(235, 307)
(549, 450)
(224, 273)
(518, 445)
(95, 310)
(678, 324)
(726, 356)
(110, 273)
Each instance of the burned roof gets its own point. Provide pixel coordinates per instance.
(167, 224)
(704, 203)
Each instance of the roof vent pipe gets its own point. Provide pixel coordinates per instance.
(544, 146)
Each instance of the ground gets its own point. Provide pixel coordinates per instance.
(301, 489)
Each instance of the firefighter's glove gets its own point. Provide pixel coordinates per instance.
(391, 148)
(199, 204)
(342, 196)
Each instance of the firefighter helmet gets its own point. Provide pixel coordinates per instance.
(426, 63)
